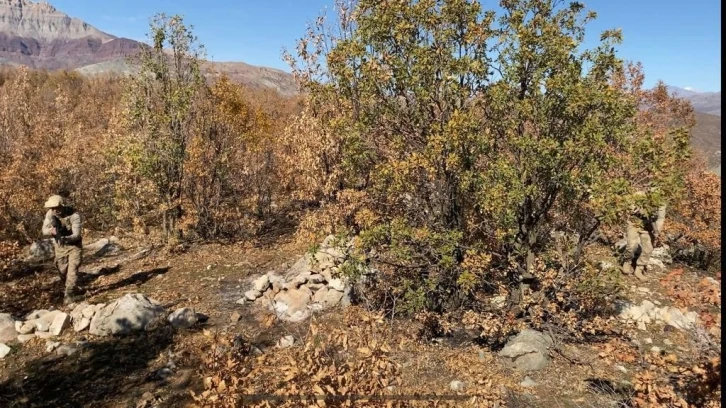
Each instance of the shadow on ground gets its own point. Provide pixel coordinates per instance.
(139, 278)
(34, 287)
(101, 374)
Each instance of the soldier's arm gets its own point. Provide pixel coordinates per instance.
(75, 229)
(48, 223)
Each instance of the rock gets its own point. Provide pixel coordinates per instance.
(66, 350)
(4, 350)
(499, 301)
(337, 284)
(235, 317)
(528, 382)
(26, 328)
(324, 261)
(299, 281)
(60, 322)
(457, 385)
(301, 267)
(528, 350)
(315, 286)
(8, 330)
(44, 335)
(642, 326)
(648, 341)
(320, 295)
(261, 284)
(102, 247)
(638, 313)
(332, 298)
(316, 279)
(327, 274)
(606, 265)
(35, 314)
(24, 338)
(621, 369)
(42, 324)
(286, 342)
(82, 324)
(292, 305)
(252, 295)
(241, 301)
(667, 342)
(655, 350)
(91, 310)
(672, 316)
(77, 312)
(51, 345)
(306, 290)
(662, 254)
(130, 313)
(41, 250)
(183, 318)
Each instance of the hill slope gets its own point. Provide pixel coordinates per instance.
(40, 36)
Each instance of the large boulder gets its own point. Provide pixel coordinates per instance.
(528, 350)
(7, 328)
(132, 312)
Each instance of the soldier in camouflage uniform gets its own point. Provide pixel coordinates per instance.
(642, 230)
(63, 223)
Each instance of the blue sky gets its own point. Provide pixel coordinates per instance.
(677, 41)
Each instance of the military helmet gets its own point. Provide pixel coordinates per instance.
(55, 201)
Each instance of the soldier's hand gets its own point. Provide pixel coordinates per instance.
(53, 231)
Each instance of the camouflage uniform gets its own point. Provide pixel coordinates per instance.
(68, 242)
(640, 235)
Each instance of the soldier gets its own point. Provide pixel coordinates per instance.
(642, 231)
(63, 223)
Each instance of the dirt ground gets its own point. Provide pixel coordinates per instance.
(159, 368)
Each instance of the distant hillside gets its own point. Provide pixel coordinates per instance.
(704, 102)
(40, 36)
(706, 139)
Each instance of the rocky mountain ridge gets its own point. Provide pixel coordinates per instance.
(38, 35)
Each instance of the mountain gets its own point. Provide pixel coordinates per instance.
(706, 135)
(704, 102)
(38, 35)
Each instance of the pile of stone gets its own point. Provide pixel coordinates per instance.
(132, 312)
(647, 312)
(313, 283)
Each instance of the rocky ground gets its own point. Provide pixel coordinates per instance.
(150, 318)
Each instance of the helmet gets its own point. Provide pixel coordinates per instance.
(54, 201)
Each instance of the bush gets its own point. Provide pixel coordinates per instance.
(464, 159)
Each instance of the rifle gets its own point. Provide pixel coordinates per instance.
(59, 229)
